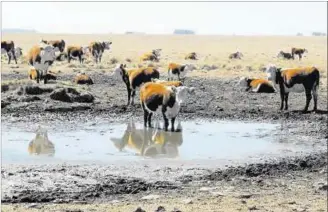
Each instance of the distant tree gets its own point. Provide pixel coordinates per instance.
(319, 34)
(184, 32)
(299, 34)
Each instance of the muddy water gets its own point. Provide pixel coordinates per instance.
(114, 143)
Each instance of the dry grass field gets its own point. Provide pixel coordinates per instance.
(212, 50)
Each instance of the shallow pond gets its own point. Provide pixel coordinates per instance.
(116, 142)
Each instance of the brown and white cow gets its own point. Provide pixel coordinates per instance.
(60, 44)
(97, 49)
(295, 80)
(299, 52)
(9, 48)
(236, 55)
(41, 58)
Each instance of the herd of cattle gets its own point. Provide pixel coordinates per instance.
(159, 96)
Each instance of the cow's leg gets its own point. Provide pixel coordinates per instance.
(45, 78)
(9, 57)
(172, 124)
(145, 113)
(149, 120)
(282, 98)
(166, 121)
(300, 56)
(308, 99)
(80, 59)
(100, 58)
(129, 94)
(315, 96)
(133, 93)
(286, 101)
(14, 56)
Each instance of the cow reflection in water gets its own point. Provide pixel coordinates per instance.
(150, 142)
(41, 145)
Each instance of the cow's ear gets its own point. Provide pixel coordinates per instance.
(124, 66)
(110, 43)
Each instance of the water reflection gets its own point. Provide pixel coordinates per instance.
(150, 142)
(41, 145)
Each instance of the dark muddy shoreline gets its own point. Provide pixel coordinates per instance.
(215, 99)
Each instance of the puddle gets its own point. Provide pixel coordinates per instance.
(108, 142)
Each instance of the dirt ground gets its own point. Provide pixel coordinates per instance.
(288, 184)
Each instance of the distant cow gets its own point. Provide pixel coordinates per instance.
(41, 58)
(82, 78)
(191, 56)
(9, 48)
(285, 55)
(97, 49)
(75, 52)
(151, 56)
(236, 55)
(299, 52)
(60, 44)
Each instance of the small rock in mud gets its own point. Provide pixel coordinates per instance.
(217, 194)
(34, 205)
(4, 88)
(160, 209)
(150, 197)
(139, 209)
(206, 189)
(4, 104)
(71, 95)
(176, 210)
(252, 208)
(245, 196)
(29, 99)
(187, 201)
(33, 90)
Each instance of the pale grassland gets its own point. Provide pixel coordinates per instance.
(212, 50)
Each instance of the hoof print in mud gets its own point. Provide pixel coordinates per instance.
(71, 95)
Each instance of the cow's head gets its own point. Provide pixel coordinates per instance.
(272, 71)
(18, 52)
(182, 92)
(157, 52)
(106, 45)
(119, 71)
(43, 41)
(49, 53)
(242, 82)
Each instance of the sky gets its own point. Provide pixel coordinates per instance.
(225, 18)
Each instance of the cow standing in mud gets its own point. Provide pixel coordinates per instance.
(295, 80)
(9, 48)
(97, 49)
(134, 78)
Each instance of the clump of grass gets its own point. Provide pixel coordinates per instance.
(128, 60)
(113, 60)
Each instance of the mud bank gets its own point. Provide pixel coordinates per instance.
(67, 183)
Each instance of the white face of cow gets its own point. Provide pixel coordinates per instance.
(182, 93)
(49, 53)
(118, 72)
(271, 72)
(18, 52)
(107, 45)
(242, 82)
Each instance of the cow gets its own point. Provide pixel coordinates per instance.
(295, 80)
(168, 83)
(97, 49)
(151, 56)
(256, 85)
(158, 98)
(74, 52)
(60, 44)
(134, 78)
(82, 78)
(191, 56)
(299, 52)
(34, 74)
(285, 55)
(41, 58)
(9, 48)
(236, 55)
(179, 70)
